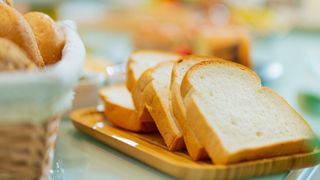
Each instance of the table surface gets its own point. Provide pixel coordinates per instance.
(81, 157)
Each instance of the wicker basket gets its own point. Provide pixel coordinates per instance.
(26, 149)
(30, 108)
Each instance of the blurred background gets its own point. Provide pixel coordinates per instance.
(279, 39)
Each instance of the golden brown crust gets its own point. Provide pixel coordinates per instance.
(194, 147)
(146, 97)
(124, 117)
(14, 27)
(130, 79)
(49, 36)
(139, 99)
(138, 88)
(204, 133)
(171, 134)
(13, 58)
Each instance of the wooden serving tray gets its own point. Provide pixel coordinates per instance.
(150, 149)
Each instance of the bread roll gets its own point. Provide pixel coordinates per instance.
(14, 27)
(12, 57)
(49, 36)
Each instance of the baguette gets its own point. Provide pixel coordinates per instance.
(155, 97)
(237, 119)
(14, 27)
(120, 111)
(49, 36)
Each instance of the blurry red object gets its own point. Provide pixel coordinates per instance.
(184, 49)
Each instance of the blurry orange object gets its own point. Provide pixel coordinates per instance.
(227, 42)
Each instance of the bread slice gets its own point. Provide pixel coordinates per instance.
(140, 61)
(154, 94)
(120, 110)
(236, 119)
(194, 147)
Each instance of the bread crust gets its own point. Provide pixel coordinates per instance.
(170, 132)
(186, 86)
(49, 36)
(130, 77)
(208, 137)
(194, 147)
(149, 98)
(124, 117)
(14, 27)
(136, 92)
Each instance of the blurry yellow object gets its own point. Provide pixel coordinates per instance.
(95, 64)
(261, 19)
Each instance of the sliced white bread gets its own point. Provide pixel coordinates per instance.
(194, 147)
(154, 94)
(120, 111)
(236, 119)
(140, 61)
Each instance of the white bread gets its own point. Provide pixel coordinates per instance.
(236, 119)
(120, 110)
(140, 61)
(194, 147)
(154, 96)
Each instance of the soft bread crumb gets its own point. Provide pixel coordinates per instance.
(240, 115)
(140, 61)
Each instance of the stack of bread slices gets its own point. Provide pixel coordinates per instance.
(214, 108)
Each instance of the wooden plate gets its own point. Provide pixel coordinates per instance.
(150, 149)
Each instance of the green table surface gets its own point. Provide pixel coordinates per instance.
(81, 157)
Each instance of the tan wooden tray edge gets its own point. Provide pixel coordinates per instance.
(150, 150)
